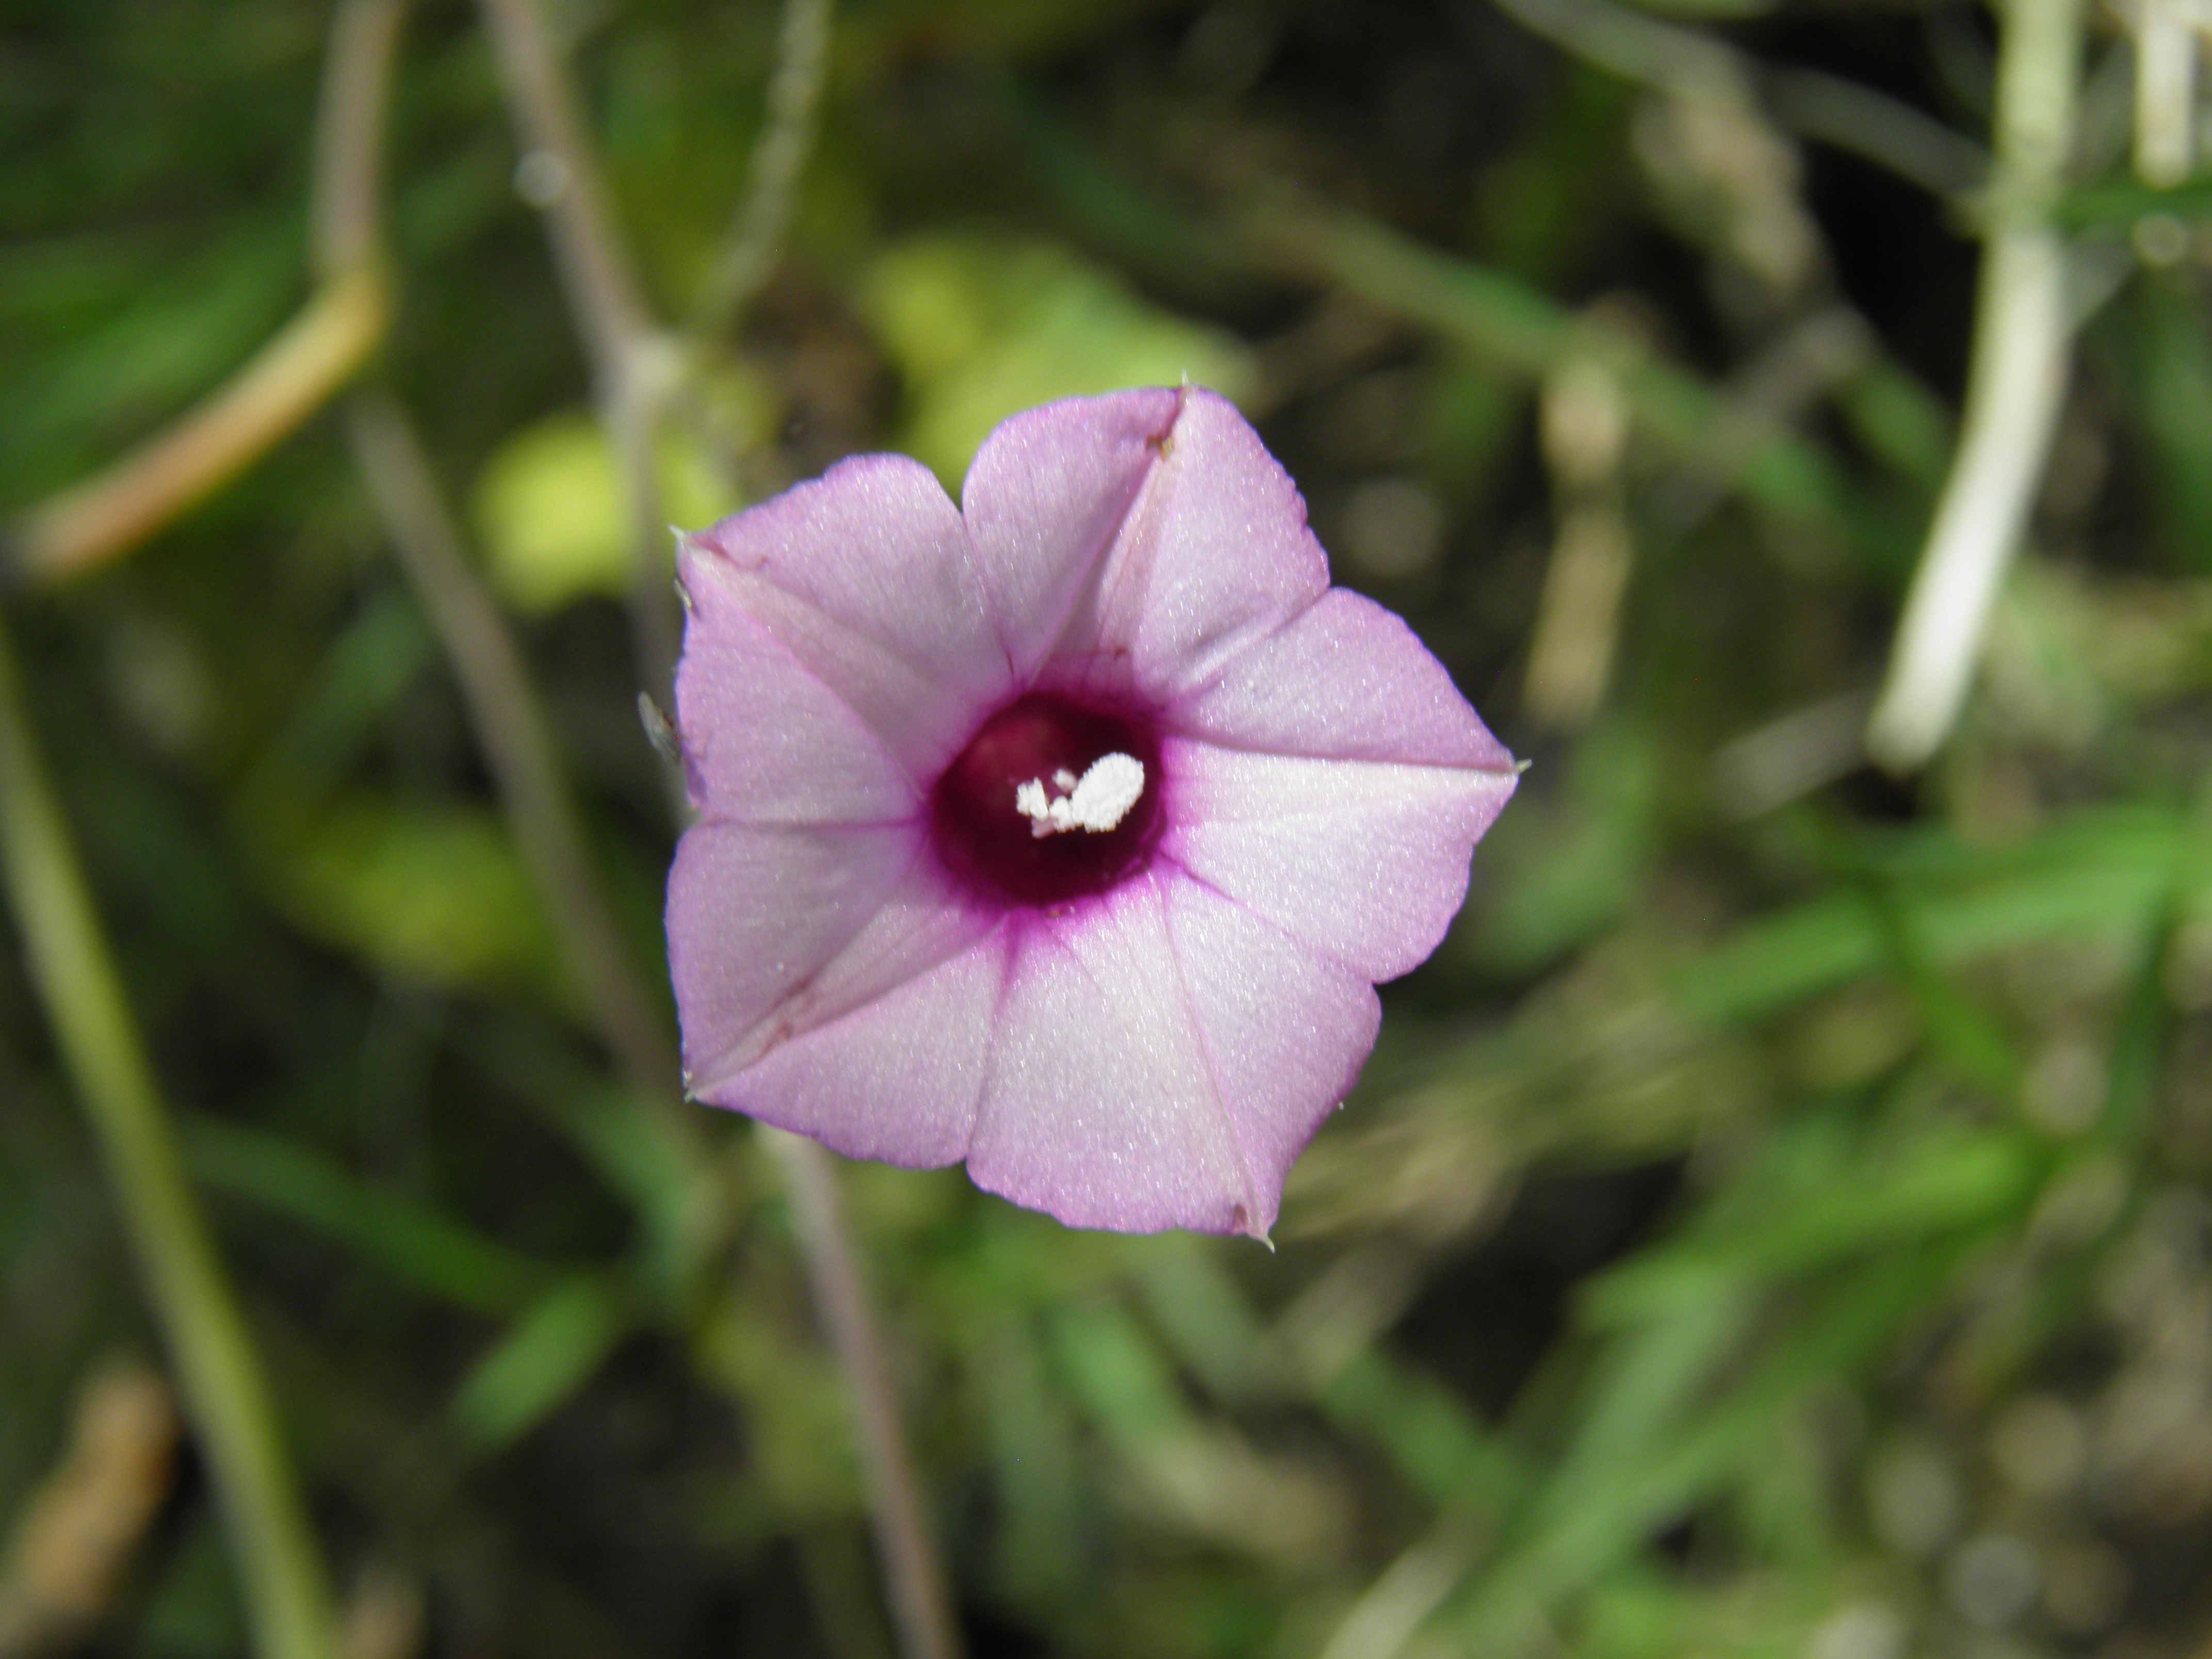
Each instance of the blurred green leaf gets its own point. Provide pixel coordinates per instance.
(193, 1610)
(1649, 1379)
(1978, 1048)
(2119, 203)
(1429, 1436)
(549, 507)
(626, 1145)
(1118, 1375)
(2095, 874)
(432, 891)
(983, 328)
(1940, 1183)
(2174, 348)
(1721, 9)
(543, 1358)
(1901, 420)
(371, 659)
(427, 1249)
(753, 1344)
(169, 344)
(1499, 318)
(1038, 1476)
(1203, 1314)
(1567, 864)
(1587, 1530)
(1196, 1473)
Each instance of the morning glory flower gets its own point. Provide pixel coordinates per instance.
(1065, 832)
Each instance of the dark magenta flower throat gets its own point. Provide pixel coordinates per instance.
(1052, 801)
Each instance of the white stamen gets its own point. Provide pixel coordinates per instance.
(1105, 794)
(1098, 800)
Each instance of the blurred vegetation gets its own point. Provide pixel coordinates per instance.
(1774, 1223)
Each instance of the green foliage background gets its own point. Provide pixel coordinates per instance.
(1773, 1224)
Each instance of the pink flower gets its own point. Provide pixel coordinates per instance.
(1065, 832)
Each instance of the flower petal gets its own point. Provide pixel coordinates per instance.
(1044, 500)
(754, 913)
(1345, 680)
(1213, 554)
(1154, 1055)
(1366, 861)
(897, 1075)
(1101, 1109)
(1285, 1029)
(916, 926)
(864, 573)
(764, 741)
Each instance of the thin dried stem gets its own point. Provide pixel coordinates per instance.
(604, 296)
(124, 503)
(802, 68)
(504, 709)
(344, 227)
(1632, 45)
(1687, 62)
(633, 367)
(903, 1535)
(286, 1591)
(1585, 430)
(281, 1572)
(1502, 321)
(515, 737)
(289, 378)
(2015, 383)
(1878, 128)
(1388, 1613)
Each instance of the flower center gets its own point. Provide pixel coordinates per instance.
(1051, 800)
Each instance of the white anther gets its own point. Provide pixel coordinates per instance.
(1098, 800)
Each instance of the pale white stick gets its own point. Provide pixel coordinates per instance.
(2015, 385)
(2013, 393)
(2165, 92)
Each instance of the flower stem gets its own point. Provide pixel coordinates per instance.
(517, 742)
(632, 363)
(912, 1571)
(286, 1595)
(295, 371)
(290, 377)
(779, 157)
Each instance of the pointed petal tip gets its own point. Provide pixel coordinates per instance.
(1137, 1212)
(693, 544)
(1258, 1231)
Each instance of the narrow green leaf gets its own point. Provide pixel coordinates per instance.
(428, 1250)
(544, 1357)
